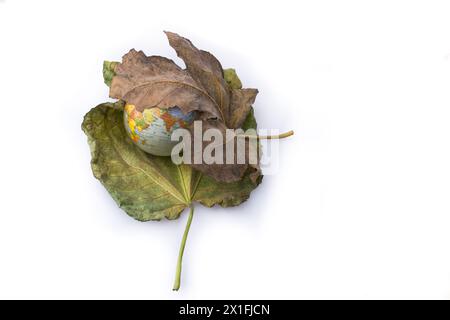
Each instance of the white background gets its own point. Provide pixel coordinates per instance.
(360, 207)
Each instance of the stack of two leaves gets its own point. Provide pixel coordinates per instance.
(149, 187)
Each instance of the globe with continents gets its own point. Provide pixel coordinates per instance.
(152, 128)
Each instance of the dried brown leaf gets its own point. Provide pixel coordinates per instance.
(149, 82)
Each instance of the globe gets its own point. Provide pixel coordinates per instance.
(152, 128)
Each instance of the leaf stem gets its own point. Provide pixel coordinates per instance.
(176, 284)
(278, 136)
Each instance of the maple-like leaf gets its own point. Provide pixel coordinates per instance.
(157, 82)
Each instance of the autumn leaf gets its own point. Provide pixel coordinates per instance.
(157, 82)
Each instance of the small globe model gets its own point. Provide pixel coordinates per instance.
(152, 128)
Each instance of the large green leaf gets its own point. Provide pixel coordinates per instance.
(149, 187)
